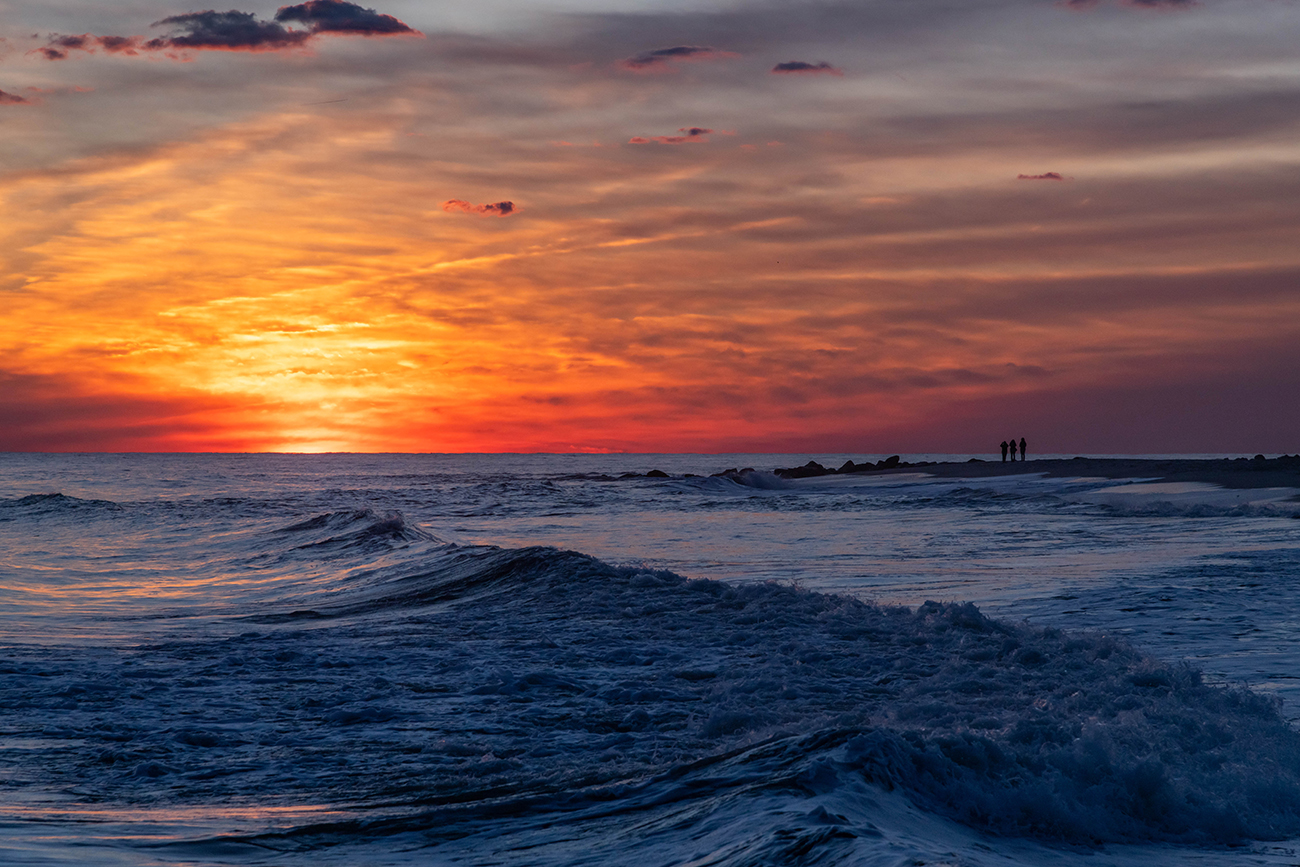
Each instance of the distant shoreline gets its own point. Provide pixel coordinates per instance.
(1281, 472)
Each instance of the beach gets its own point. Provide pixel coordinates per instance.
(1277, 472)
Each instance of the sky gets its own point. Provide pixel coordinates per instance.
(877, 226)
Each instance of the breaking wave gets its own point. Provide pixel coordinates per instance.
(535, 679)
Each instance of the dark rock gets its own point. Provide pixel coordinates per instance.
(656, 474)
(808, 470)
(888, 463)
(847, 467)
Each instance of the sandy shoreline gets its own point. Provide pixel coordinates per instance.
(1283, 472)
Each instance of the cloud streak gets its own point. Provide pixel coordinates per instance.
(1045, 176)
(661, 59)
(1137, 4)
(801, 67)
(12, 99)
(689, 134)
(494, 209)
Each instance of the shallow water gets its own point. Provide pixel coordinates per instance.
(360, 659)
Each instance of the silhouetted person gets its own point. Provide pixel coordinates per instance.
(1022, 448)
(1012, 444)
(1004, 451)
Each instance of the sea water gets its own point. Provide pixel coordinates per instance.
(424, 659)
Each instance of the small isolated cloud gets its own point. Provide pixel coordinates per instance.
(496, 209)
(688, 134)
(801, 67)
(340, 16)
(1045, 176)
(660, 59)
(12, 99)
(237, 31)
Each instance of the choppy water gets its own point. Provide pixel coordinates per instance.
(517, 659)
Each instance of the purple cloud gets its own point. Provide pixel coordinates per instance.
(659, 59)
(1045, 176)
(800, 67)
(60, 45)
(12, 99)
(340, 16)
(689, 134)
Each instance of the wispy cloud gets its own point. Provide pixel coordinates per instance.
(495, 209)
(801, 67)
(1045, 176)
(688, 134)
(661, 59)
(1140, 4)
(12, 99)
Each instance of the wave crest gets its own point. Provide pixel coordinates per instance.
(55, 504)
(364, 528)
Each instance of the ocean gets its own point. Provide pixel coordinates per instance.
(559, 660)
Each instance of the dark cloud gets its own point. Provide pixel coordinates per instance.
(688, 134)
(1045, 176)
(495, 209)
(237, 31)
(339, 16)
(225, 31)
(800, 67)
(659, 59)
(12, 99)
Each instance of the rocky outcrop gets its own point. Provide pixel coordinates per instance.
(812, 468)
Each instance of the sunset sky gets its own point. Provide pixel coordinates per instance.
(586, 225)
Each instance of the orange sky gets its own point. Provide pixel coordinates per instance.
(249, 250)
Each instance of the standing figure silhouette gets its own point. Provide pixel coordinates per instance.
(1012, 443)
(1022, 448)
(1004, 451)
